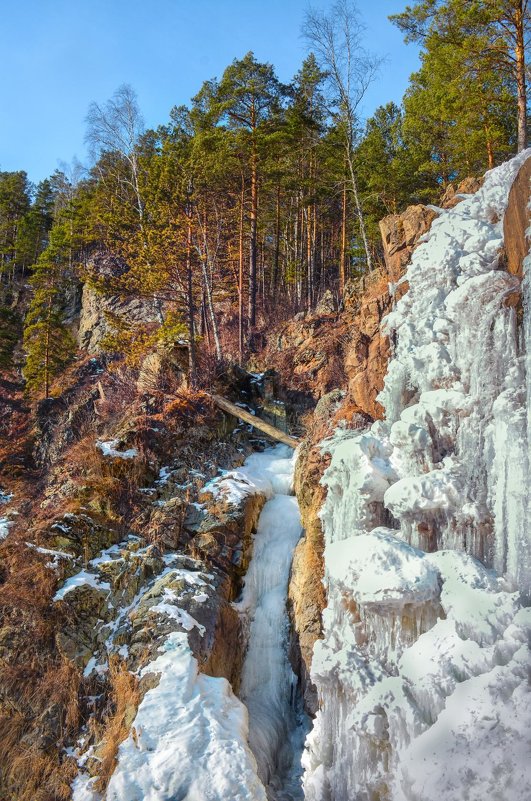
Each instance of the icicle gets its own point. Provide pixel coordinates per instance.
(422, 673)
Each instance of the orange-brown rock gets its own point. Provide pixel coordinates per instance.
(308, 354)
(453, 196)
(400, 233)
(367, 353)
(307, 597)
(517, 219)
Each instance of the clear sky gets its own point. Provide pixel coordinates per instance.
(59, 55)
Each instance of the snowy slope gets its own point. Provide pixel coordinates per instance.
(190, 737)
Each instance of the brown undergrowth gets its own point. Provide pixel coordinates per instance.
(124, 698)
(39, 708)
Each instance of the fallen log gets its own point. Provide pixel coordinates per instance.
(261, 425)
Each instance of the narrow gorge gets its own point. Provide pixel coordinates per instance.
(265, 413)
(405, 617)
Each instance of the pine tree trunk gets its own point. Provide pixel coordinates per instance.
(206, 267)
(240, 278)
(277, 248)
(253, 231)
(521, 77)
(211, 311)
(47, 362)
(490, 151)
(309, 258)
(190, 291)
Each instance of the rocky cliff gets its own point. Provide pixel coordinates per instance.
(109, 541)
(342, 359)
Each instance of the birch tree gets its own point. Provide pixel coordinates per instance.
(116, 127)
(336, 38)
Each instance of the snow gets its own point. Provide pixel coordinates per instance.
(383, 570)
(83, 578)
(423, 669)
(110, 448)
(4, 527)
(188, 739)
(108, 555)
(167, 607)
(267, 472)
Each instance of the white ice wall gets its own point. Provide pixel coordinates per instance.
(423, 670)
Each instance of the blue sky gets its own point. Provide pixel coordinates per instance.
(59, 55)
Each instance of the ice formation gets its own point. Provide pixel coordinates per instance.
(423, 672)
(268, 685)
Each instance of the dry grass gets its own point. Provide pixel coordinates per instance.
(125, 698)
(34, 775)
(188, 406)
(38, 690)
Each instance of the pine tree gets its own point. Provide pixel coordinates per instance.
(37, 223)
(48, 343)
(476, 52)
(9, 336)
(15, 200)
(388, 169)
(246, 97)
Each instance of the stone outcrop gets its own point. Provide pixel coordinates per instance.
(161, 363)
(308, 355)
(306, 596)
(97, 313)
(454, 195)
(516, 221)
(368, 351)
(98, 310)
(400, 233)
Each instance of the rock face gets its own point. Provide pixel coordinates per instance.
(516, 220)
(400, 233)
(368, 351)
(307, 597)
(308, 354)
(453, 196)
(97, 312)
(159, 364)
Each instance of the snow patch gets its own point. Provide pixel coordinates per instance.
(110, 448)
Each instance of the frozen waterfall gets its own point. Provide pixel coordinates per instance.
(423, 670)
(269, 687)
